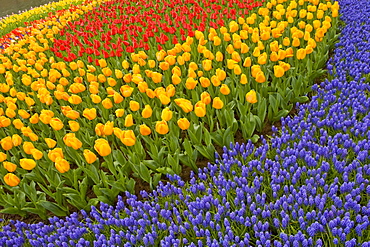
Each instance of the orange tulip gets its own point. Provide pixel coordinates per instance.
(90, 114)
(90, 157)
(102, 147)
(183, 123)
(62, 165)
(145, 130)
(251, 97)
(27, 164)
(11, 179)
(56, 123)
(217, 103)
(161, 127)
(128, 138)
(9, 166)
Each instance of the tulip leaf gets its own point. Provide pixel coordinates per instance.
(53, 207)
(301, 99)
(280, 114)
(144, 173)
(166, 170)
(13, 211)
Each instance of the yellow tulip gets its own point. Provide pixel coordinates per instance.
(217, 103)
(50, 142)
(27, 164)
(9, 166)
(90, 114)
(90, 157)
(129, 121)
(6, 143)
(3, 156)
(102, 147)
(200, 109)
(17, 140)
(56, 123)
(128, 138)
(107, 103)
(260, 77)
(62, 165)
(166, 114)
(278, 71)
(251, 97)
(183, 123)
(36, 154)
(145, 130)
(161, 127)
(301, 54)
(147, 112)
(11, 179)
(184, 104)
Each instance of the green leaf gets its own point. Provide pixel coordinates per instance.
(52, 207)
(166, 170)
(144, 173)
(280, 114)
(301, 99)
(12, 211)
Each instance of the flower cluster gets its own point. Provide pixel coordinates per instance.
(309, 186)
(218, 81)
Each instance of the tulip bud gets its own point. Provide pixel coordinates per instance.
(9, 166)
(27, 164)
(147, 112)
(90, 157)
(217, 103)
(145, 130)
(102, 147)
(251, 97)
(36, 154)
(161, 127)
(260, 77)
(166, 114)
(56, 123)
(62, 165)
(243, 79)
(200, 109)
(128, 138)
(6, 143)
(17, 140)
(3, 156)
(11, 179)
(278, 71)
(183, 123)
(205, 98)
(107, 103)
(129, 121)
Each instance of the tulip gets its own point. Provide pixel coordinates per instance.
(99, 129)
(128, 138)
(50, 142)
(108, 128)
(102, 147)
(260, 77)
(200, 109)
(36, 154)
(221, 75)
(74, 99)
(3, 156)
(166, 114)
(9, 166)
(147, 112)
(183, 123)
(301, 54)
(119, 112)
(90, 157)
(62, 165)
(157, 77)
(184, 104)
(17, 140)
(129, 120)
(251, 97)
(191, 83)
(161, 127)
(225, 90)
(278, 71)
(27, 164)
(90, 114)
(247, 62)
(11, 179)
(74, 126)
(217, 103)
(107, 103)
(6, 143)
(206, 98)
(145, 130)
(207, 64)
(56, 123)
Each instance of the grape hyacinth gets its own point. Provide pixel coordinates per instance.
(308, 186)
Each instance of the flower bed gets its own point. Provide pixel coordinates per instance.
(81, 120)
(309, 186)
